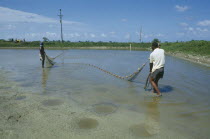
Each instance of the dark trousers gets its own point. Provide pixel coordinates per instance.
(43, 59)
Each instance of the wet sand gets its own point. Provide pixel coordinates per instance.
(27, 115)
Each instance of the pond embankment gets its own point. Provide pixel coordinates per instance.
(203, 60)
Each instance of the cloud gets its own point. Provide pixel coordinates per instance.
(190, 29)
(103, 35)
(112, 32)
(92, 35)
(10, 27)
(181, 8)
(16, 16)
(159, 35)
(40, 35)
(128, 36)
(124, 20)
(183, 24)
(204, 23)
(202, 30)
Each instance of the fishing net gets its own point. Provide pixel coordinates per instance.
(49, 62)
(147, 85)
(130, 77)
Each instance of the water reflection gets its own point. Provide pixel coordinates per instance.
(152, 125)
(45, 74)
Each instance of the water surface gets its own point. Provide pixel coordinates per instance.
(184, 109)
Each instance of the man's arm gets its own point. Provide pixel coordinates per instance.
(150, 65)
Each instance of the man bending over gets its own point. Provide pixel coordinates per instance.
(157, 62)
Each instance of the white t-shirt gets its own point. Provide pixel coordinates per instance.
(157, 57)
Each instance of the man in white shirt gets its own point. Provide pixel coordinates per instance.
(157, 62)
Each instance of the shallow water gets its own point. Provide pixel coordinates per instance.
(183, 111)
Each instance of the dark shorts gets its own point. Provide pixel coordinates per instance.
(157, 74)
(43, 57)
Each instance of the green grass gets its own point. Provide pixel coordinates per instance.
(190, 47)
(200, 47)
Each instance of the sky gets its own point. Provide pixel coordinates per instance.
(106, 20)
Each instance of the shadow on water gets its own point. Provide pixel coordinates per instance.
(163, 88)
(166, 89)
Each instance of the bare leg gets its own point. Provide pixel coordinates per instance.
(155, 86)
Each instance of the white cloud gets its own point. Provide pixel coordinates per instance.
(71, 35)
(204, 23)
(85, 34)
(16, 16)
(10, 27)
(124, 20)
(183, 24)
(40, 35)
(159, 35)
(202, 30)
(181, 8)
(103, 35)
(92, 35)
(77, 34)
(51, 34)
(112, 32)
(127, 36)
(190, 29)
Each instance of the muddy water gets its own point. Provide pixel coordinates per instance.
(105, 106)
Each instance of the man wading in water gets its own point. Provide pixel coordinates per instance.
(157, 62)
(42, 53)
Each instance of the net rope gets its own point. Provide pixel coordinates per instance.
(130, 77)
(49, 62)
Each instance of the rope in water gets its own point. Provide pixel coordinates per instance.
(147, 82)
(130, 77)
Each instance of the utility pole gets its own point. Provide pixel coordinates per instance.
(140, 35)
(130, 41)
(60, 15)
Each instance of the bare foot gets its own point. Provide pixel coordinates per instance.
(159, 95)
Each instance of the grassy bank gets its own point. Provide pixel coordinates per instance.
(197, 48)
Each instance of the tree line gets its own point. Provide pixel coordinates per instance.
(196, 47)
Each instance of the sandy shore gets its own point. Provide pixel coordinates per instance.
(203, 60)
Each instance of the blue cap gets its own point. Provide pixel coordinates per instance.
(41, 43)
